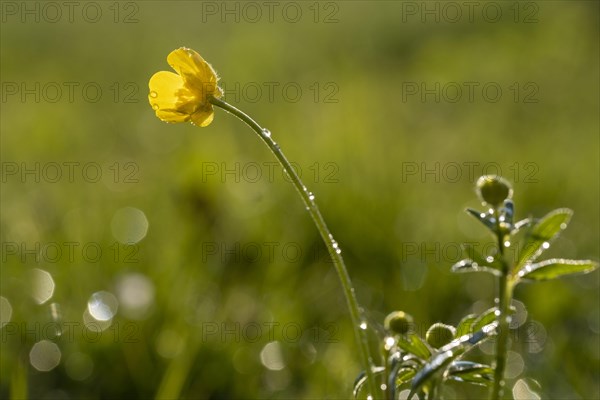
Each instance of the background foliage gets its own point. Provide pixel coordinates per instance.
(233, 293)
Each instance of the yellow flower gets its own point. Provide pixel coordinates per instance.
(184, 96)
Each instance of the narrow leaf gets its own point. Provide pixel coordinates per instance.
(555, 268)
(487, 219)
(464, 326)
(403, 369)
(470, 372)
(404, 375)
(469, 265)
(488, 317)
(542, 233)
(414, 345)
(438, 363)
(361, 379)
(474, 255)
(520, 225)
(484, 319)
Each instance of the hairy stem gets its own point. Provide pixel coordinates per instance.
(332, 245)
(504, 300)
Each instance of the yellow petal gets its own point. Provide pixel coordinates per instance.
(196, 72)
(170, 98)
(204, 116)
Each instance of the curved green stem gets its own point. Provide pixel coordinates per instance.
(504, 300)
(332, 246)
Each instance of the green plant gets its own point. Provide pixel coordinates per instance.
(408, 359)
(424, 365)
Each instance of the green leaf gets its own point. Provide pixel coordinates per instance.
(474, 255)
(444, 356)
(555, 268)
(464, 326)
(360, 381)
(484, 319)
(542, 233)
(520, 225)
(404, 375)
(470, 372)
(472, 266)
(414, 345)
(488, 317)
(487, 219)
(403, 369)
(476, 262)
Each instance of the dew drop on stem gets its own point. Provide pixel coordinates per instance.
(266, 132)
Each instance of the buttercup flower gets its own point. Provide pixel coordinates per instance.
(184, 96)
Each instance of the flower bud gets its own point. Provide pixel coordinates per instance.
(398, 322)
(440, 334)
(493, 190)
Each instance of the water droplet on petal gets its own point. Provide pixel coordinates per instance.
(153, 94)
(155, 106)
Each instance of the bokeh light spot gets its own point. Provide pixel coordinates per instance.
(103, 306)
(271, 356)
(42, 285)
(93, 324)
(44, 355)
(5, 311)
(522, 391)
(129, 225)
(514, 365)
(169, 343)
(136, 295)
(79, 366)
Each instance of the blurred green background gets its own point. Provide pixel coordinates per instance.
(182, 263)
